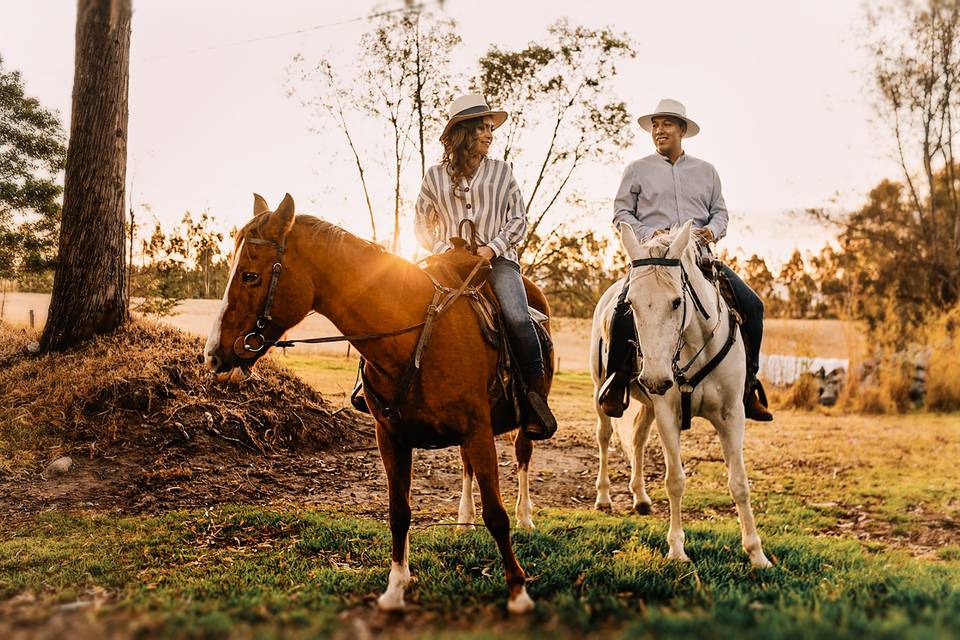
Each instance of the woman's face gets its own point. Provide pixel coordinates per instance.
(483, 135)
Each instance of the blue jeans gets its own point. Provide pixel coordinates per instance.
(751, 307)
(508, 287)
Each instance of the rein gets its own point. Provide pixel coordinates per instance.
(687, 383)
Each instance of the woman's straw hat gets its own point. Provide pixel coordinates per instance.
(471, 106)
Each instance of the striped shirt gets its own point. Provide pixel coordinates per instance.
(491, 198)
(655, 194)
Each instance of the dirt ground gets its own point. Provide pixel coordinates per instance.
(156, 470)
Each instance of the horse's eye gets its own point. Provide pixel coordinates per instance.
(676, 303)
(250, 277)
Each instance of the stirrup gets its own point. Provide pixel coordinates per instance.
(544, 423)
(614, 396)
(356, 396)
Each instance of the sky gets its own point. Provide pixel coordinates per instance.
(780, 90)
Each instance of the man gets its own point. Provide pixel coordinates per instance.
(664, 190)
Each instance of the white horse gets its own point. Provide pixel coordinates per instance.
(675, 335)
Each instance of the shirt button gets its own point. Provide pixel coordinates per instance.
(469, 206)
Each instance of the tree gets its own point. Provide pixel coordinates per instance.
(90, 292)
(398, 78)
(800, 287)
(203, 246)
(572, 270)
(32, 153)
(334, 99)
(565, 85)
(161, 280)
(759, 278)
(916, 79)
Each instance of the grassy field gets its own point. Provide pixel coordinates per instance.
(859, 514)
(272, 572)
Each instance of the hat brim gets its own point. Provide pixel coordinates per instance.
(646, 122)
(499, 117)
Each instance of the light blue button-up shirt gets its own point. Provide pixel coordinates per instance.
(655, 194)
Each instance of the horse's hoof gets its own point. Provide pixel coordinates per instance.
(761, 563)
(678, 556)
(526, 524)
(521, 603)
(391, 602)
(643, 508)
(606, 507)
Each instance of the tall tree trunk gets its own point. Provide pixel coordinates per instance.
(89, 289)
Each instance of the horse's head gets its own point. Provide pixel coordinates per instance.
(656, 296)
(265, 256)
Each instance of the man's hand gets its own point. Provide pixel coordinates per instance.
(659, 232)
(705, 236)
(486, 252)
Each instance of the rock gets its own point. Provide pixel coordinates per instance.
(60, 466)
(33, 347)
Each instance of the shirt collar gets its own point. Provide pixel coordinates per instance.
(682, 158)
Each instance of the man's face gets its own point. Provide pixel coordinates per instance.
(667, 133)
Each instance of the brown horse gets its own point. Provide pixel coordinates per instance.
(363, 289)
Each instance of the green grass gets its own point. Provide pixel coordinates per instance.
(248, 570)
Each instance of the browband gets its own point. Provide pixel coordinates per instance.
(656, 262)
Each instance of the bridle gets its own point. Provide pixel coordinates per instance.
(681, 374)
(253, 342)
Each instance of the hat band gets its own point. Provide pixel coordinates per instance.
(471, 110)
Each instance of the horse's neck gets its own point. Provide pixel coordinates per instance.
(362, 291)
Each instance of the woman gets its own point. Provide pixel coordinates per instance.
(468, 185)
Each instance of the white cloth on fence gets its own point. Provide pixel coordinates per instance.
(783, 370)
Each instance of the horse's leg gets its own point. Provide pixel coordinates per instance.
(467, 512)
(523, 447)
(641, 431)
(731, 440)
(397, 462)
(669, 430)
(483, 455)
(604, 430)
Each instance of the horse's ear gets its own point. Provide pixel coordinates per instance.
(259, 205)
(629, 241)
(283, 217)
(680, 241)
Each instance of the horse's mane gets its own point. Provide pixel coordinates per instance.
(332, 238)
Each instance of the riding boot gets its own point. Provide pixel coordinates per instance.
(755, 402)
(538, 421)
(614, 393)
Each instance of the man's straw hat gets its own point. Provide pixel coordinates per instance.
(669, 107)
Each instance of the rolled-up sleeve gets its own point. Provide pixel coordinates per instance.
(426, 220)
(718, 209)
(515, 228)
(625, 206)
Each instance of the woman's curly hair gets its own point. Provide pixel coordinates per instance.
(459, 145)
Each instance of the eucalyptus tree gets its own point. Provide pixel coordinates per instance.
(90, 290)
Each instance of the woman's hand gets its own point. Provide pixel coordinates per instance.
(485, 252)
